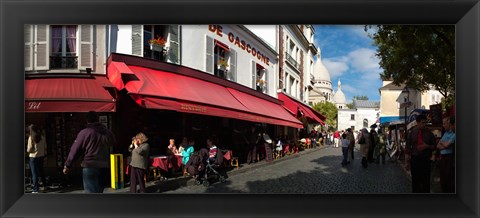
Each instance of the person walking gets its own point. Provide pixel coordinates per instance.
(336, 139)
(93, 144)
(36, 149)
(419, 147)
(139, 163)
(446, 145)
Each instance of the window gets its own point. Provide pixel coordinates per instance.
(339, 107)
(365, 123)
(352, 117)
(64, 47)
(220, 60)
(261, 78)
(153, 32)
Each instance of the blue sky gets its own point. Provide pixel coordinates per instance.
(349, 55)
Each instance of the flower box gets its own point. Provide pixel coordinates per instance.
(157, 47)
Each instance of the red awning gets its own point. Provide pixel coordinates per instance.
(68, 95)
(299, 109)
(169, 91)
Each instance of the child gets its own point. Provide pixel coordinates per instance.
(345, 142)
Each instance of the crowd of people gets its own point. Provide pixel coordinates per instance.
(92, 145)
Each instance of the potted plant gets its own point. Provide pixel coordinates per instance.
(157, 44)
(222, 64)
(261, 83)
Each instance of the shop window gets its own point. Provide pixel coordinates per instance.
(221, 60)
(261, 78)
(156, 33)
(64, 47)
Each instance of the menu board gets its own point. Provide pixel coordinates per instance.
(268, 152)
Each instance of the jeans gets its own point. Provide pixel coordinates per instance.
(36, 166)
(94, 179)
(345, 155)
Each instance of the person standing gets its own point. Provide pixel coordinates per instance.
(251, 138)
(336, 138)
(364, 141)
(351, 145)
(374, 141)
(420, 144)
(345, 143)
(139, 163)
(380, 149)
(93, 144)
(446, 145)
(36, 149)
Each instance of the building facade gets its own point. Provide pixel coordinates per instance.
(364, 114)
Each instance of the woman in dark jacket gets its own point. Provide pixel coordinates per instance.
(139, 162)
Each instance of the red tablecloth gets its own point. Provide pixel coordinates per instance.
(227, 155)
(167, 162)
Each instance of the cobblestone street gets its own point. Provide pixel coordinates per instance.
(316, 172)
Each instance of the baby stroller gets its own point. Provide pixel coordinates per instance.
(212, 166)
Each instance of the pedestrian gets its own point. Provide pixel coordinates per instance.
(381, 148)
(37, 150)
(420, 144)
(336, 138)
(345, 143)
(93, 144)
(351, 138)
(446, 145)
(364, 141)
(251, 138)
(373, 143)
(139, 164)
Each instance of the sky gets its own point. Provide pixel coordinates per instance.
(349, 55)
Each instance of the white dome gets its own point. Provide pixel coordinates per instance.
(320, 72)
(339, 97)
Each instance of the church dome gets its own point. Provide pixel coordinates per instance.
(339, 97)
(320, 72)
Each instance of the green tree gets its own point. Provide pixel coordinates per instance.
(418, 56)
(360, 97)
(350, 105)
(329, 110)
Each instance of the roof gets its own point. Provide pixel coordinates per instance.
(392, 86)
(366, 104)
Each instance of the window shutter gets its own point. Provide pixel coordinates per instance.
(174, 44)
(266, 81)
(209, 55)
(137, 40)
(85, 57)
(41, 47)
(232, 72)
(28, 52)
(254, 75)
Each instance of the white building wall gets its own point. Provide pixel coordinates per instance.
(345, 122)
(193, 46)
(124, 39)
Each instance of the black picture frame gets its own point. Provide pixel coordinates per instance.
(464, 14)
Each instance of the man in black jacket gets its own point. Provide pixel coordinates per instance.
(420, 144)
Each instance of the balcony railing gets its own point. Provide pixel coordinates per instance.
(292, 61)
(63, 62)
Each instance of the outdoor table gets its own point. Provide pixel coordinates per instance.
(166, 162)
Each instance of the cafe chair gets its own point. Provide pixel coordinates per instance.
(234, 162)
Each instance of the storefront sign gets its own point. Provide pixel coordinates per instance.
(33, 106)
(195, 108)
(218, 29)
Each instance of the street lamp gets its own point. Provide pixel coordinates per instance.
(406, 102)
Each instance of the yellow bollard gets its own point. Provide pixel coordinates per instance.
(116, 171)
